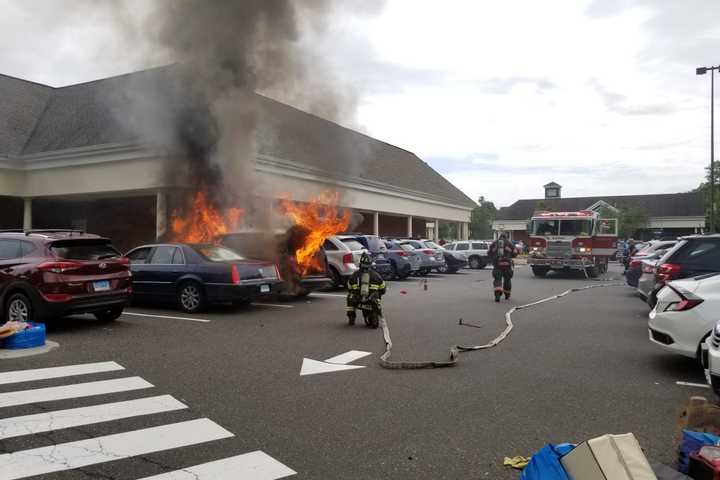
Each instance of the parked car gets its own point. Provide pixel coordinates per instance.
(685, 314)
(454, 261)
(46, 274)
(475, 250)
(646, 282)
(404, 259)
(711, 358)
(635, 268)
(198, 275)
(691, 256)
(343, 258)
(278, 247)
(378, 251)
(433, 258)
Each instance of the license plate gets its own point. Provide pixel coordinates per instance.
(101, 286)
(380, 256)
(414, 267)
(264, 288)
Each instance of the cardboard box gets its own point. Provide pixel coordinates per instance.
(610, 457)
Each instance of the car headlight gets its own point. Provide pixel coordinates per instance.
(584, 249)
(535, 249)
(717, 329)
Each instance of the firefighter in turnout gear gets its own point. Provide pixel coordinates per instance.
(365, 289)
(501, 253)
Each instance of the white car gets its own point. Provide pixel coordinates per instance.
(685, 314)
(343, 257)
(711, 359)
(476, 251)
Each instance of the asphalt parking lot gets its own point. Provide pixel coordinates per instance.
(572, 369)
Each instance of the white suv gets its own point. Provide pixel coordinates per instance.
(343, 257)
(476, 251)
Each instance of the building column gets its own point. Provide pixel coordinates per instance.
(409, 227)
(27, 214)
(466, 231)
(376, 223)
(160, 215)
(436, 230)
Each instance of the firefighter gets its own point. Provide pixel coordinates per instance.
(365, 289)
(501, 253)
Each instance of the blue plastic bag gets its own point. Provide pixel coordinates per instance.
(545, 464)
(692, 442)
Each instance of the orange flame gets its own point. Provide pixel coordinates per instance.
(204, 222)
(322, 218)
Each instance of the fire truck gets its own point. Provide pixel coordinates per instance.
(571, 241)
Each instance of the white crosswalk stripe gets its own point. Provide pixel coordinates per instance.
(57, 372)
(76, 417)
(249, 466)
(68, 456)
(64, 392)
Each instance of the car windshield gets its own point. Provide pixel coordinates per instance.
(216, 253)
(84, 249)
(407, 247)
(433, 245)
(352, 244)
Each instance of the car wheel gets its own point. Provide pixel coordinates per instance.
(336, 278)
(109, 315)
(395, 273)
(443, 269)
(452, 270)
(540, 271)
(475, 263)
(191, 297)
(18, 308)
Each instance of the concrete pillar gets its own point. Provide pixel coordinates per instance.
(466, 231)
(27, 214)
(161, 217)
(376, 223)
(436, 230)
(409, 227)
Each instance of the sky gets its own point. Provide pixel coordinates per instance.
(501, 98)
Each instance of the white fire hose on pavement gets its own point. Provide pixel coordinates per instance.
(385, 361)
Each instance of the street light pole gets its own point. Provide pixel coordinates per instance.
(703, 71)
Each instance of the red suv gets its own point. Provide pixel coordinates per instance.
(46, 274)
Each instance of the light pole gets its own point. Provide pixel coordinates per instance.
(703, 71)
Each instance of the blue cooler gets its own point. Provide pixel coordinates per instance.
(28, 338)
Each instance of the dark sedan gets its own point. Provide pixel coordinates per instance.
(197, 275)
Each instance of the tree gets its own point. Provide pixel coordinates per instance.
(705, 189)
(481, 219)
(631, 218)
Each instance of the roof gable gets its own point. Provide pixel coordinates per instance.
(21, 106)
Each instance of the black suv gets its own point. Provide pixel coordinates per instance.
(691, 256)
(46, 274)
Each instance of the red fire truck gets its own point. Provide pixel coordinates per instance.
(571, 240)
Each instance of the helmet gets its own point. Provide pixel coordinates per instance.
(365, 261)
(503, 235)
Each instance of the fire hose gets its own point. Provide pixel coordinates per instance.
(385, 361)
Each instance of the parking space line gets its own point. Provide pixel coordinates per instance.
(82, 453)
(690, 384)
(271, 305)
(76, 417)
(249, 466)
(201, 320)
(18, 376)
(23, 397)
(319, 294)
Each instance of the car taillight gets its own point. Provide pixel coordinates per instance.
(635, 263)
(123, 261)
(687, 301)
(648, 269)
(235, 274)
(428, 251)
(667, 272)
(348, 258)
(403, 254)
(277, 271)
(59, 267)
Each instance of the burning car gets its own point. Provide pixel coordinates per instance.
(280, 247)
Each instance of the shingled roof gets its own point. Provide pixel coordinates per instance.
(690, 204)
(36, 118)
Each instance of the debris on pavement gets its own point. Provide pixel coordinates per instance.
(518, 462)
(21, 335)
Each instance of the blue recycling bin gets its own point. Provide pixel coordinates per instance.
(28, 338)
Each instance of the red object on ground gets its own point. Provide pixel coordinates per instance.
(404, 292)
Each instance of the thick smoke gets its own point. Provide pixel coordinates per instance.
(226, 51)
